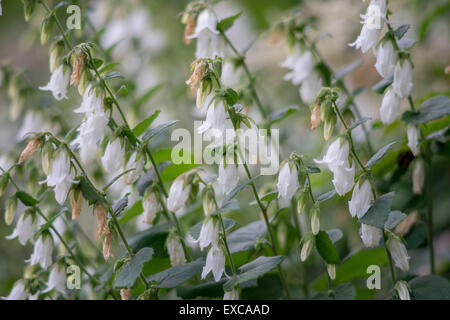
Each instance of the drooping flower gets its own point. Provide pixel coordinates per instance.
(336, 156)
(114, 155)
(58, 83)
(386, 57)
(60, 175)
(231, 75)
(315, 219)
(310, 87)
(18, 292)
(76, 200)
(390, 107)
(370, 235)
(231, 295)
(402, 288)
(372, 23)
(29, 150)
(228, 177)
(151, 206)
(101, 219)
(92, 101)
(176, 252)
(25, 228)
(136, 162)
(403, 74)
(413, 138)
(306, 249)
(399, 253)
(209, 42)
(42, 253)
(215, 118)
(178, 194)
(343, 179)
(287, 181)
(209, 234)
(215, 263)
(57, 279)
(418, 177)
(107, 246)
(331, 269)
(361, 198)
(302, 68)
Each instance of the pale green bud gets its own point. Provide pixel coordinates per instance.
(302, 200)
(331, 269)
(28, 8)
(315, 219)
(11, 207)
(306, 249)
(46, 29)
(3, 183)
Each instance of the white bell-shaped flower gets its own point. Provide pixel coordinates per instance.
(337, 155)
(228, 177)
(399, 253)
(343, 179)
(402, 288)
(390, 107)
(361, 199)
(92, 101)
(293, 56)
(303, 67)
(114, 155)
(386, 57)
(151, 207)
(25, 228)
(57, 279)
(215, 118)
(136, 162)
(206, 21)
(370, 235)
(287, 181)
(58, 83)
(403, 78)
(231, 75)
(18, 291)
(209, 234)
(60, 176)
(310, 87)
(215, 263)
(413, 134)
(178, 194)
(176, 253)
(42, 253)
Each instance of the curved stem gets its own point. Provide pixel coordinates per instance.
(224, 231)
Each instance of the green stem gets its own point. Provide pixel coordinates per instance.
(391, 264)
(224, 231)
(429, 192)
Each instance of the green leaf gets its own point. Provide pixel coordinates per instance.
(395, 217)
(238, 189)
(144, 124)
(267, 287)
(131, 271)
(173, 277)
(354, 267)
(131, 213)
(268, 197)
(123, 91)
(108, 67)
(173, 170)
(346, 291)
(379, 154)
(430, 287)
(327, 195)
(312, 169)
(359, 122)
(348, 69)
(97, 62)
(120, 205)
(112, 75)
(378, 213)
(253, 270)
(147, 179)
(26, 198)
(432, 109)
(147, 95)
(246, 237)
(153, 132)
(417, 236)
(381, 86)
(401, 31)
(88, 190)
(154, 237)
(209, 290)
(227, 23)
(231, 96)
(232, 205)
(326, 249)
(280, 115)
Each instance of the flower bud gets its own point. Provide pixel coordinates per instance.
(175, 249)
(46, 158)
(55, 53)
(329, 126)
(76, 199)
(302, 200)
(209, 201)
(29, 150)
(28, 8)
(125, 294)
(418, 177)
(402, 288)
(306, 249)
(331, 269)
(11, 207)
(107, 246)
(77, 66)
(82, 84)
(315, 221)
(315, 117)
(46, 29)
(4, 178)
(102, 225)
(197, 75)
